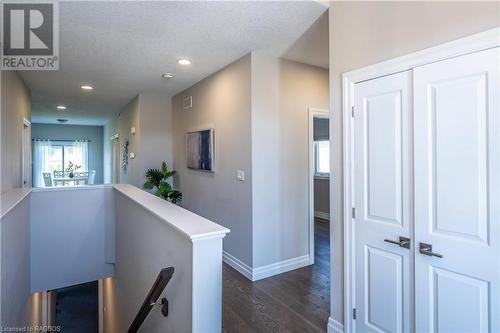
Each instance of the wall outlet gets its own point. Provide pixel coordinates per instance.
(240, 175)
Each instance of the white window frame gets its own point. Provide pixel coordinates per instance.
(319, 175)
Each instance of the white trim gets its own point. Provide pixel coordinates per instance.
(237, 264)
(45, 308)
(313, 113)
(477, 42)
(25, 177)
(320, 176)
(254, 274)
(100, 306)
(334, 326)
(280, 267)
(322, 215)
(474, 43)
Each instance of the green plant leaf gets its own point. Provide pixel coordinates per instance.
(175, 196)
(154, 176)
(158, 178)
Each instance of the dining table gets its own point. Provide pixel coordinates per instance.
(65, 181)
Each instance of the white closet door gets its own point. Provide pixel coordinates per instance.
(382, 130)
(457, 182)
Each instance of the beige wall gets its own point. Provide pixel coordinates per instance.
(15, 105)
(151, 115)
(155, 132)
(128, 118)
(282, 92)
(364, 33)
(322, 195)
(221, 101)
(258, 107)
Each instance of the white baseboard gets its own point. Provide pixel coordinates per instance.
(254, 274)
(238, 265)
(280, 267)
(334, 326)
(322, 215)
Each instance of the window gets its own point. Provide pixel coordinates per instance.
(322, 158)
(50, 156)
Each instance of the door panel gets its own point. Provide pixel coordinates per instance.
(384, 290)
(382, 135)
(457, 181)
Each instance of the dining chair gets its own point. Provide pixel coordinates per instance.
(58, 174)
(80, 177)
(47, 179)
(90, 180)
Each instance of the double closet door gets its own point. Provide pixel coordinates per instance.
(427, 196)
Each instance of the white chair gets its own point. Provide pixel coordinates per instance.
(47, 179)
(90, 180)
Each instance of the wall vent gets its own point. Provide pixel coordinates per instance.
(188, 102)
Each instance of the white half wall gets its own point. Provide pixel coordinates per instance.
(16, 302)
(19, 307)
(70, 236)
(152, 234)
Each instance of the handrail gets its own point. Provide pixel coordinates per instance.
(151, 299)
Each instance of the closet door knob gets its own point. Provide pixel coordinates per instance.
(427, 250)
(403, 242)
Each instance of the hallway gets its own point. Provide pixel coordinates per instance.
(296, 301)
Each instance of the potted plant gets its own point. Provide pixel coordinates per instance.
(70, 170)
(158, 180)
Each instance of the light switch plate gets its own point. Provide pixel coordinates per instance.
(132, 155)
(132, 130)
(240, 175)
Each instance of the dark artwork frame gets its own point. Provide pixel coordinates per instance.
(200, 150)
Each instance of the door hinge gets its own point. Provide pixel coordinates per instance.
(352, 111)
(354, 313)
(353, 212)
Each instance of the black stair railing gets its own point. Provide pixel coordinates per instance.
(152, 298)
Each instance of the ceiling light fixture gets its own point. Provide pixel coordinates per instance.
(87, 87)
(167, 75)
(184, 61)
(61, 107)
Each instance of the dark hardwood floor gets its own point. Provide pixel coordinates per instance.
(296, 301)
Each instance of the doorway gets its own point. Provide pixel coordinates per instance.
(26, 153)
(77, 308)
(115, 162)
(319, 176)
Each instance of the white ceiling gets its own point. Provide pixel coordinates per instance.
(122, 48)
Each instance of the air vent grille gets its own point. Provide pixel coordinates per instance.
(188, 102)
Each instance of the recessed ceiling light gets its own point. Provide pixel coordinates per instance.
(167, 75)
(184, 61)
(61, 107)
(87, 87)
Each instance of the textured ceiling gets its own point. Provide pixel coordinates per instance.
(122, 48)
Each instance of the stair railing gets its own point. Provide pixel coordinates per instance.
(152, 299)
